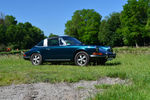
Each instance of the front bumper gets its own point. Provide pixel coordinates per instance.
(106, 56)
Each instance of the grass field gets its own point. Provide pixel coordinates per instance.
(132, 66)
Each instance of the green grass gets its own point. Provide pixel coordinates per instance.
(135, 67)
(132, 50)
(80, 87)
(103, 86)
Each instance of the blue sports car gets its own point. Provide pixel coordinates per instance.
(66, 48)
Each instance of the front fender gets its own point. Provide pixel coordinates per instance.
(89, 50)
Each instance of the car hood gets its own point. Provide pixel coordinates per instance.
(105, 48)
(102, 49)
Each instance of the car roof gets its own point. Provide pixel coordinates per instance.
(64, 36)
(58, 37)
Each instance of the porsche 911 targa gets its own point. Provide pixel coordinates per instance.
(66, 48)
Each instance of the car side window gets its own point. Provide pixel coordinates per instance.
(62, 42)
(53, 42)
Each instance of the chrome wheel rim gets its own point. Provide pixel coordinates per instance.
(81, 59)
(36, 59)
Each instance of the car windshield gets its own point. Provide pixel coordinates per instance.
(40, 43)
(71, 41)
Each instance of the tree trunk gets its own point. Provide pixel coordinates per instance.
(137, 46)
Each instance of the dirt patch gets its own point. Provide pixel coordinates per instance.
(59, 91)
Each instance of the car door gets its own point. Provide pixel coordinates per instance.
(66, 51)
(56, 51)
(52, 51)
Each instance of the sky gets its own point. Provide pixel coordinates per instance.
(51, 15)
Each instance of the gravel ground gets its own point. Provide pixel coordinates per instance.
(58, 91)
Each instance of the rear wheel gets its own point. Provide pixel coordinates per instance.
(36, 59)
(81, 58)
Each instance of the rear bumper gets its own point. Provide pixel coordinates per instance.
(106, 56)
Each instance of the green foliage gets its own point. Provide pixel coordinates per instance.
(2, 47)
(10, 20)
(2, 34)
(84, 25)
(13, 52)
(134, 19)
(148, 21)
(80, 87)
(131, 27)
(103, 86)
(110, 32)
(19, 35)
(132, 50)
(121, 75)
(52, 35)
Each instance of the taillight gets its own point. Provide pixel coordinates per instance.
(97, 53)
(24, 55)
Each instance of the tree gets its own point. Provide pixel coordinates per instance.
(148, 14)
(133, 20)
(2, 34)
(10, 20)
(18, 35)
(2, 18)
(147, 37)
(32, 36)
(84, 25)
(10, 34)
(109, 33)
(52, 35)
(2, 29)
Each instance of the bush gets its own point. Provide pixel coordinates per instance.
(13, 52)
(2, 47)
(131, 50)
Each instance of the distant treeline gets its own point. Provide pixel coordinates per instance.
(130, 27)
(16, 35)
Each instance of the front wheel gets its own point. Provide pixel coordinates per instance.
(81, 58)
(36, 59)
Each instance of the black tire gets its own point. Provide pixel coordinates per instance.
(81, 59)
(36, 59)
